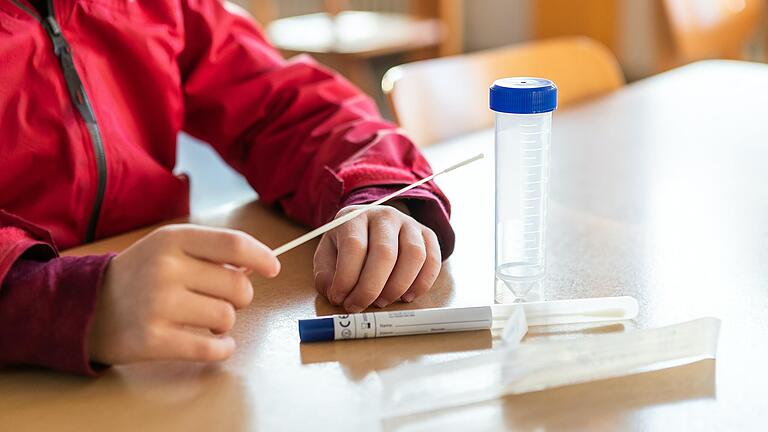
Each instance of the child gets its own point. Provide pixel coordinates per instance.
(92, 96)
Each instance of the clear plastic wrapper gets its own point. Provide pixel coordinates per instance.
(516, 325)
(571, 311)
(539, 365)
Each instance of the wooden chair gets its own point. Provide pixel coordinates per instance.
(596, 19)
(711, 29)
(348, 39)
(437, 99)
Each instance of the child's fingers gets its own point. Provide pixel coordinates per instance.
(429, 271)
(324, 264)
(180, 344)
(352, 247)
(217, 281)
(229, 247)
(322, 281)
(411, 256)
(382, 255)
(201, 311)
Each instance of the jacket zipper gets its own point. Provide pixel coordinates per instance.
(80, 99)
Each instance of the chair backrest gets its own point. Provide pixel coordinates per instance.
(437, 99)
(711, 29)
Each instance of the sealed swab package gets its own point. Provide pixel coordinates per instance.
(540, 365)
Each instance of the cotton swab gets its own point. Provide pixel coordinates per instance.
(351, 215)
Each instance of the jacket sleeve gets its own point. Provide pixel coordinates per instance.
(304, 137)
(46, 301)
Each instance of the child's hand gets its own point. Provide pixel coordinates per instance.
(378, 257)
(171, 282)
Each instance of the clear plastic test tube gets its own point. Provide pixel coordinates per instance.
(523, 108)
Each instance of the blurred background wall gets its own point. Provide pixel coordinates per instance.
(628, 27)
(363, 39)
(637, 31)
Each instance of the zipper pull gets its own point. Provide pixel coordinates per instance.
(54, 31)
(53, 25)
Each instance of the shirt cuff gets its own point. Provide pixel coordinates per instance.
(46, 311)
(424, 206)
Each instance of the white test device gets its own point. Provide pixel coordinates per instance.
(445, 320)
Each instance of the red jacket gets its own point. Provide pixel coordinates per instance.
(91, 101)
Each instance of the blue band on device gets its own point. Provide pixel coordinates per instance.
(316, 330)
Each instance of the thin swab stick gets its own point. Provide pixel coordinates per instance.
(351, 215)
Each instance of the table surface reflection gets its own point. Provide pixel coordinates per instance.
(659, 191)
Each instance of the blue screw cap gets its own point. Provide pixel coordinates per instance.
(523, 95)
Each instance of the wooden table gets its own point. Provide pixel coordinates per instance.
(659, 190)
